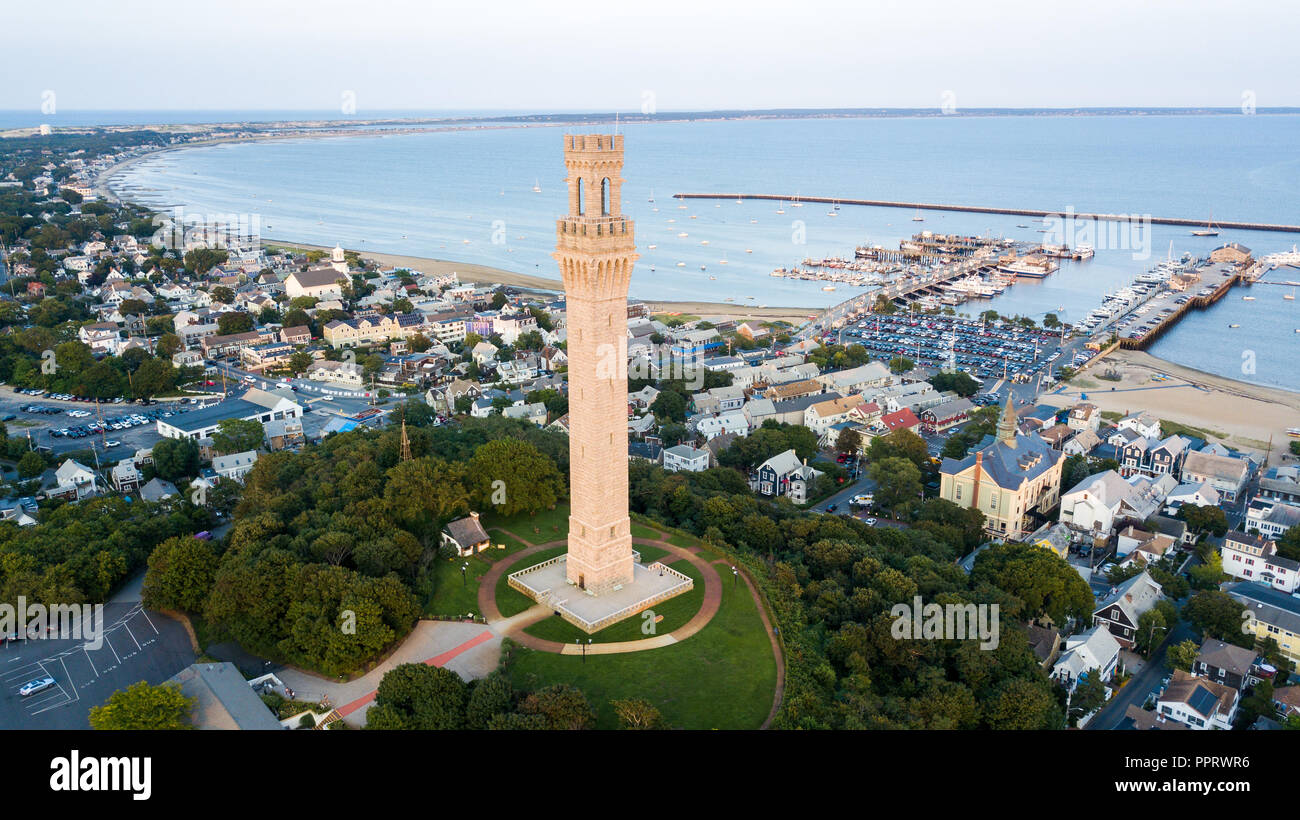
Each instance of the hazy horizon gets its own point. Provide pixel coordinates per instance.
(674, 55)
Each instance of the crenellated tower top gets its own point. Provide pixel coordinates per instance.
(595, 244)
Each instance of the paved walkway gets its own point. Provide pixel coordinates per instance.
(470, 650)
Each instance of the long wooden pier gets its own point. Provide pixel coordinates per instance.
(977, 209)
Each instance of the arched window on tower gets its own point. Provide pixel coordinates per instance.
(579, 196)
(604, 197)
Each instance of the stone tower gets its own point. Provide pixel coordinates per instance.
(596, 250)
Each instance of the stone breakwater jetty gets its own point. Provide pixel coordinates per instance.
(977, 209)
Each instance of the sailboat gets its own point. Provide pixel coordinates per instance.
(537, 186)
(1290, 297)
(918, 217)
(1208, 230)
(652, 195)
(780, 208)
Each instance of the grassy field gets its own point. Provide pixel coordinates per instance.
(675, 612)
(547, 525)
(642, 531)
(724, 677)
(453, 595)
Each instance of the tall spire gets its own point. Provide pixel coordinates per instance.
(1007, 424)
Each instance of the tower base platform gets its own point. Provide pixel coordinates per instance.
(548, 584)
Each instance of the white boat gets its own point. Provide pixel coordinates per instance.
(829, 287)
(749, 250)
(1208, 230)
(1248, 298)
(537, 187)
(919, 218)
(652, 247)
(780, 207)
(652, 195)
(682, 235)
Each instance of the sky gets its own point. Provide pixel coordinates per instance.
(629, 55)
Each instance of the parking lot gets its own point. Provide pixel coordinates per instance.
(983, 350)
(137, 645)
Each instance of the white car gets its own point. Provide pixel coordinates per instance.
(327, 398)
(112, 443)
(870, 522)
(34, 686)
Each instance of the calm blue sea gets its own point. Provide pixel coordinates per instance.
(468, 196)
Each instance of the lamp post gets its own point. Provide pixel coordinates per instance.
(464, 574)
(735, 577)
(584, 646)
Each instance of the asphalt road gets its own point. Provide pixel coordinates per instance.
(137, 645)
(1142, 685)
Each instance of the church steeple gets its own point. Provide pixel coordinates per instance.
(1007, 424)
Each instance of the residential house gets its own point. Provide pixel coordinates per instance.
(785, 475)
(945, 416)
(1084, 416)
(1144, 424)
(1226, 663)
(1092, 652)
(1274, 614)
(685, 457)
(534, 412)
(1146, 456)
(1253, 558)
(1198, 703)
(1271, 518)
(1120, 610)
(126, 476)
(320, 283)
(235, 466)
(1227, 475)
(158, 490)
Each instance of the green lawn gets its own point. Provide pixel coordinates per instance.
(724, 677)
(642, 531)
(511, 601)
(549, 524)
(649, 554)
(675, 611)
(454, 595)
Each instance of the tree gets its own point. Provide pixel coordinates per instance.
(1204, 518)
(425, 492)
(668, 406)
(901, 364)
(154, 376)
(234, 322)
(490, 697)
(561, 707)
(1044, 583)
(1218, 615)
(1182, 655)
(180, 574)
(238, 435)
(223, 294)
(960, 383)
(168, 344)
(31, 464)
(898, 483)
(175, 458)
(1288, 546)
(1088, 696)
(421, 697)
(141, 706)
(848, 441)
(900, 444)
(637, 713)
(300, 361)
(1151, 630)
(513, 476)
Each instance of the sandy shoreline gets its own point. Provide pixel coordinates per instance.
(1242, 415)
(471, 272)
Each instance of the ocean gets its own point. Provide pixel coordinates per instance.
(468, 196)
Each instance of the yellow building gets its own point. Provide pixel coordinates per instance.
(1010, 480)
(1273, 614)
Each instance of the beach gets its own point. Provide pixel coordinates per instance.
(1241, 415)
(483, 274)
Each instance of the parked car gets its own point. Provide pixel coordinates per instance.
(34, 686)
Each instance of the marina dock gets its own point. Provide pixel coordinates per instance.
(977, 209)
